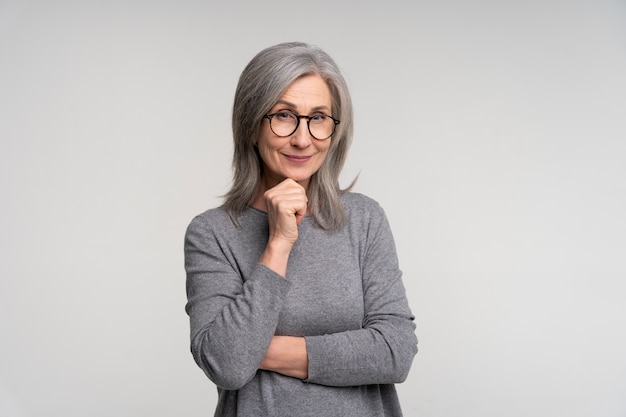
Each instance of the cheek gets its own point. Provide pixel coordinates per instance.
(267, 153)
(325, 150)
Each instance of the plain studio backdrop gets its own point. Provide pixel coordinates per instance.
(492, 132)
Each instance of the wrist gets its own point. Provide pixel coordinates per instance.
(276, 255)
(287, 355)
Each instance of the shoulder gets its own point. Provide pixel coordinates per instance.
(216, 221)
(360, 203)
(367, 222)
(361, 209)
(209, 218)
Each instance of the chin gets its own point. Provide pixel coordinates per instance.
(298, 176)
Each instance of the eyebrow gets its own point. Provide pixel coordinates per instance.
(293, 106)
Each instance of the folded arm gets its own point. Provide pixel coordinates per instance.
(232, 319)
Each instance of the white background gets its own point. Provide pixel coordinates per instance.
(493, 133)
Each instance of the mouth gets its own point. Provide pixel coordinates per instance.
(298, 158)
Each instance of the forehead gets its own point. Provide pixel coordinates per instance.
(308, 90)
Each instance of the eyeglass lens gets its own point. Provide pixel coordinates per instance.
(285, 124)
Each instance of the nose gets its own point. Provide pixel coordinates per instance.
(301, 138)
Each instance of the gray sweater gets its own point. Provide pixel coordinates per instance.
(343, 292)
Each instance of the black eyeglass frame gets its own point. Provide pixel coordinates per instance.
(308, 123)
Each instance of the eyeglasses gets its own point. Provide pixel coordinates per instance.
(285, 123)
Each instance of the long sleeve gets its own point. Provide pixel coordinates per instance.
(382, 351)
(233, 305)
(343, 293)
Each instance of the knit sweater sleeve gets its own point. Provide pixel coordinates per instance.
(233, 309)
(382, 351)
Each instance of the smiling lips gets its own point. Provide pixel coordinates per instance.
(297, 158)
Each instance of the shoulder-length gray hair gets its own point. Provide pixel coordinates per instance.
(261, 84)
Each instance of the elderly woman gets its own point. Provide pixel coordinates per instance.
(295, 297)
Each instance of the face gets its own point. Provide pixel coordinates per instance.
(300, 155)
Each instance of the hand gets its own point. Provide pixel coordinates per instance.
(286, 207)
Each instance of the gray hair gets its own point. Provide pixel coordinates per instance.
(261, 84)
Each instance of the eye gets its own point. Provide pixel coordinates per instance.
(319, 118)
(284, 116)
